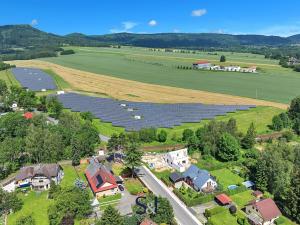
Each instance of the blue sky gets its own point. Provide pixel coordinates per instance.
(270, 17)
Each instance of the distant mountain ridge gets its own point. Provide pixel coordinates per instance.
(14, 36)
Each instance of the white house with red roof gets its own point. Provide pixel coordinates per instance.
(100, 179)
(262, 212)
(202, 65)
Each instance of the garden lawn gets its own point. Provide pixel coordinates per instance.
(69, 177)
(224, 218)
(225, 177)
(134, 186)
(118, 168)
(107, 129)
(35, 204)
(241, 199)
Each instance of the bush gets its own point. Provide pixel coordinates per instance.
(67, 52)
(162, 136)
(25, 220)
(147, 135)
(189, 200)
(288, 136)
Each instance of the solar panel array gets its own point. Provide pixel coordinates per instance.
(134, 116)
(34, 79)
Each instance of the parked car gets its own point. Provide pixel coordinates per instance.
(121, 188)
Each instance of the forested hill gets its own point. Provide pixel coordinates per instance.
(26, 36)
(172, 40)
(27, 42)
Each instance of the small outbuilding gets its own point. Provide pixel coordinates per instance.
(176, 179)
(248, 184)
(223, 199)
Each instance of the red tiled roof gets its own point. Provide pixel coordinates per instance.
(224, 199)
(201, 62)
(148, 222)
(106, 177)
(267, 208)
(28, 115)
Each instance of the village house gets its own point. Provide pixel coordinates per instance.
(262, 212)
(100, 179)
(39, 177)
(199, 179)
(178, 159)
(202, 65)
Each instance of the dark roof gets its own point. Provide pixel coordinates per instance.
(47, 170)
(199, 177)
(175, 177)
(224, 199)
(267, 208)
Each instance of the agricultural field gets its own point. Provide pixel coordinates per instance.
(272, 83)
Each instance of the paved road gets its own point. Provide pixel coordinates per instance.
(182, 214)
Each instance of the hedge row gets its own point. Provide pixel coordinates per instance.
(206, 198)
(214, 211)
(194, 201)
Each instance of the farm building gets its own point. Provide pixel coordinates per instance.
(199, 179)
(263, 212)
(39, 177)
(178, 159)
(100, 179)
(202, 65)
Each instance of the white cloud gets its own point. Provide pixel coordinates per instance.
(199, 12)
(281, 30)
(176, 30)
(34, 22)
(126, 27)
(152, 23)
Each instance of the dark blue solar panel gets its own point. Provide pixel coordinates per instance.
(34, 79)
(152, 114)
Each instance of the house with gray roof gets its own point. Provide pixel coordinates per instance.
(200, 180)
(39, 177)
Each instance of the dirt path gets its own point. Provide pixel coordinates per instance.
(137, 91)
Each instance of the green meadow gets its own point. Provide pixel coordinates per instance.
(272, 83)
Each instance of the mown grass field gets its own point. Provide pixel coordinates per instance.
(272, 83)
(9, 78)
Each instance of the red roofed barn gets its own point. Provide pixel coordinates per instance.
(101, 180)
(223, 199)
(202, 65)
(263, 212)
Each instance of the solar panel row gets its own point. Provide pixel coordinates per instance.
(34, 79)
(145, 115)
